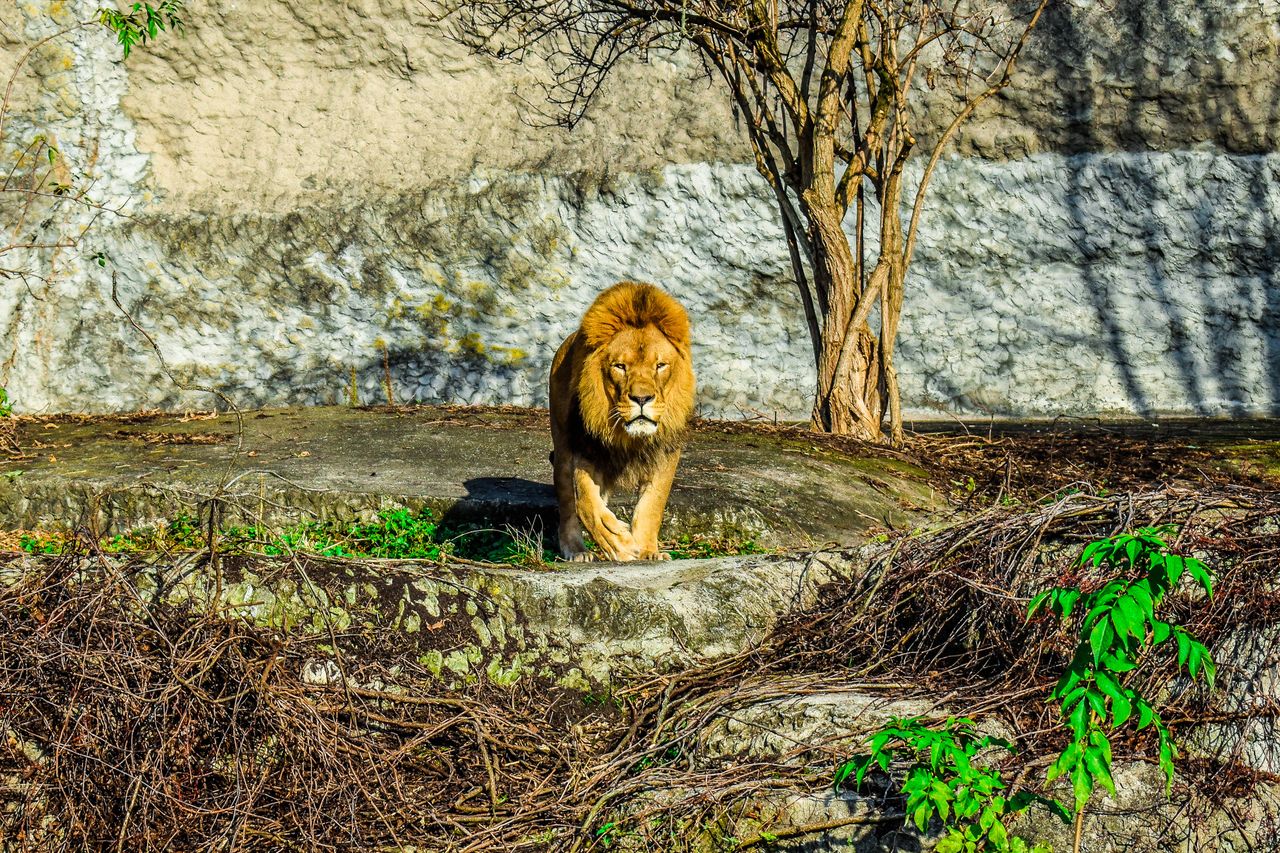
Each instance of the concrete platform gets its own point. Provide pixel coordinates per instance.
(286, 465)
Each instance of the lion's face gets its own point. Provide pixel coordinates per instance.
(638, 367)
(631, 369)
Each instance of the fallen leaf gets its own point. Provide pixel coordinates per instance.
(305, 453)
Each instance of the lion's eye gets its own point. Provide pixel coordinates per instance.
(662, 365)
(620, 367)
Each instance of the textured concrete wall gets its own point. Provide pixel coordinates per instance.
(318, 197)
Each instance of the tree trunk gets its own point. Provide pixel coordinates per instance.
(857, 381)
(848, 399)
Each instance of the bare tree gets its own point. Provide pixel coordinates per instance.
(830, 94)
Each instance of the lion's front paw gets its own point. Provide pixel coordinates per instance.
(614, 540)
(653, 555)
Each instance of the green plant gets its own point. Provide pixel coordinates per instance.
(608, 834)
(398, 533)
(143, 22)
(1114, 637)
(698, 546)
(944, 781)
(6, 409)
(181, 534)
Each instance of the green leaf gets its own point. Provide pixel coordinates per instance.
(1119, 661)
(1081, 785)
(1122, 630)
(1210, 668)
(1073, 697)
(1057, 808)
(1134, 617)
(1120, 705)
(998, 834)
(1100, 743)
(1100, 639)
(1079, 719)
(1091, 550)
(1097, 702)
(851, 767)
(921, 816)
(935, 754)
(1096, 613)
(1173, 566)
(1184, 645)
(1132, 549)
(1065, 763)
(1067, 599)
(1167, 751)
(943, 806)
(1194, 652)
(1099, 770)
(1200, 573)
(953, 843)
(1145, 713)
(1067, 683)
(1038, 600)
(879, 739)
(1159, 631)
(1140, 592)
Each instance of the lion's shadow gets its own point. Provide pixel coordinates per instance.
(499, 503)
(523, 506)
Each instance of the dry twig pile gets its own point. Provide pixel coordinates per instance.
(132, 724)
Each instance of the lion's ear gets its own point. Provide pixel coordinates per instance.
(599, 326)
(631, 305)
(672, 320)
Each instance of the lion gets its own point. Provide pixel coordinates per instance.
(622, 389)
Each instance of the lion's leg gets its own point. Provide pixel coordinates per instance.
(611, 535)
(572, 546)
(647, 518)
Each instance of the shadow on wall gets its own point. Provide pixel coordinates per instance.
(1184, 291)
(436, 376)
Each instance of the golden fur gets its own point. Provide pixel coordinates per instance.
(622, 391)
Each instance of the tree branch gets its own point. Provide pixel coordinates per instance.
(1010, 65)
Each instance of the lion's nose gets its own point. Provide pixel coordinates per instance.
(641, 401)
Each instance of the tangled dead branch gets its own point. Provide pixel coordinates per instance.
(130, 722)
(941, 616)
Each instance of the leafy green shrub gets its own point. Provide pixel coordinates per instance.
(1115, 636)
(6, 408)
(944, 782)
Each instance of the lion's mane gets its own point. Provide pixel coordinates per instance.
(629, 305)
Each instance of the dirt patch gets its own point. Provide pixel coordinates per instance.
(1032, 462)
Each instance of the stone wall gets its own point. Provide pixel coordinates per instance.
(319, 201)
